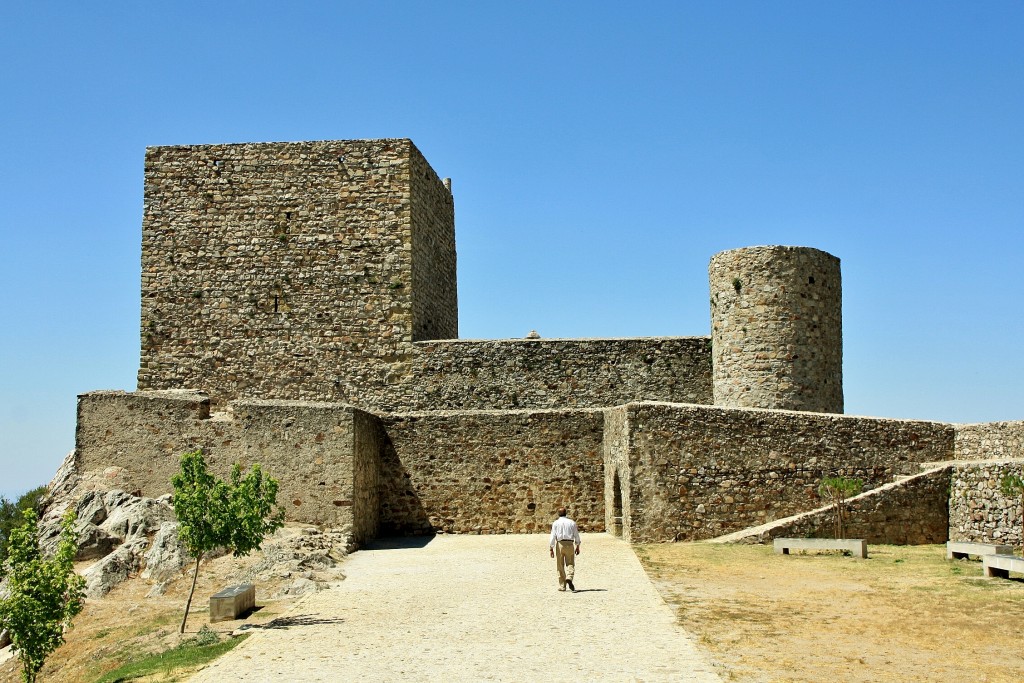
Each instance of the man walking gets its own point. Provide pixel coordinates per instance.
(564, 536)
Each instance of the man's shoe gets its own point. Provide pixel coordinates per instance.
(571, 587)
(561, 588)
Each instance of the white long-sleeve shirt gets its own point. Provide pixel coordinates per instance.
(564, 529)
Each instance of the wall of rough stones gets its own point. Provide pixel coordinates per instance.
(557, 373)
(286, 270)
(777, 329)
(617, 479)
(978, 509)
(367, 442)
(326, 271)
(435, 303)
(699, 472)
(318, 451)
(491, 472)
(914, 511)
(990, 440)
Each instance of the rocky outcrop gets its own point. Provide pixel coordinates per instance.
(166, 557)
(308, 556)
(129, 535)
(116, 567)
(118, 528)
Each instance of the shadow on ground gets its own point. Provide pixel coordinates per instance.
(398, 542)
(301, 620)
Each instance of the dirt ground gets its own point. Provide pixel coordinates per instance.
(126, 623)
(904, 614)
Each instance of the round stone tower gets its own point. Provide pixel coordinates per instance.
(777, 329)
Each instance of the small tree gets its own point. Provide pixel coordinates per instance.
(836, 490)
(45, 594)
(212, 513)
(1013, 485)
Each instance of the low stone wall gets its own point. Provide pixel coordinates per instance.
(318, 451)
(910, 512)
(990, 440)
(978, 510)
(698, 472)
(667, 471)
(557, 373)
(491, 472)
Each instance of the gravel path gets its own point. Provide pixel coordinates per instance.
(474, 608)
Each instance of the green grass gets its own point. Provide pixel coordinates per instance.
(188, 655)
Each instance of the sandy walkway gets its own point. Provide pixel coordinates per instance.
(475, 608)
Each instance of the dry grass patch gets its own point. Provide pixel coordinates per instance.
(127, 626)
(904, 614)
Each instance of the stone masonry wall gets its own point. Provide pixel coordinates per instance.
(910, 512)
(557, 373)
(434, 297)
(698, 472)
(318, 451)
(617, 481)
(368, 440)
(491, 472)
(990, 440)
(777, 329)
(978, 509)
(286, 270)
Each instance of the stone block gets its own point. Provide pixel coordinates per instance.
(960, 550)
(1001, 565)
(858, 547)
(232, 602)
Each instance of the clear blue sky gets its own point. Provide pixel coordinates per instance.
(600, 152)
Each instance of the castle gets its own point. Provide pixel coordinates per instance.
(299, 310)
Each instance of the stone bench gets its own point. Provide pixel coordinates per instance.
(858, 547)
(232, 602)
(960, 551)
(1001, 565)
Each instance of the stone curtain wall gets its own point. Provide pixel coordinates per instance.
(777, 329)
(434, 297)
(558, 373)
(978, 510)
(910, 512)
(286, 270)
(368, 440)
(318, 451)
(616, 471)
(990, 441)
(699, 472)
(491, 472)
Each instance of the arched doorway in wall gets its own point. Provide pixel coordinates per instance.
(616, 506)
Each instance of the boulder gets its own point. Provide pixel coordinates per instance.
(94, 542)
(166, 557)
(115, 526)
(91, 509)
(66, 479)
(130, 516)
(302, 586)
(116, 567)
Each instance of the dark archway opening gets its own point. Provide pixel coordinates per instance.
(616, 506)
